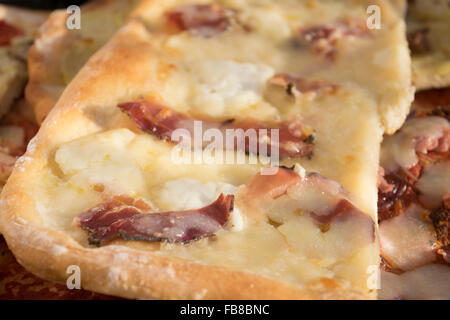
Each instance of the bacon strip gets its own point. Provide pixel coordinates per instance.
(162, 122)
(115, 219)
(205, 20)
(8, 32)
(323, 39)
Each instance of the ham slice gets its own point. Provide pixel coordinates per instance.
(205, 20)
(8, 32)
(323, 39)
(294, 139)
(117, 219)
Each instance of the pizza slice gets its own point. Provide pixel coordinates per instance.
(428, 26)
(60, 52)
(17, 30)
(275, 198)
(413, 205)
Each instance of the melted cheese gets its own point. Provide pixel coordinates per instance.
(268, 21)
(186, 193)
(137, 165)
(434, 183)
(399, 150)
(430, 282)
(224, 87)
(407, 240)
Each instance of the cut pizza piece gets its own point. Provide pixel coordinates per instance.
(17, 31)
(414, 202)
(428, 28)
(60, 52)
(102, 186)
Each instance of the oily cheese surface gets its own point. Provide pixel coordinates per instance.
(59, 53)
(86, 141)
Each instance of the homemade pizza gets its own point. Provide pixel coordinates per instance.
(218, 149)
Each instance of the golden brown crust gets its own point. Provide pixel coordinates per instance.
(117, 269)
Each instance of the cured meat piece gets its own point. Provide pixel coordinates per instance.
(205, 20)
(115, 219)
(294, 138)
(8, 32)
(323, 39)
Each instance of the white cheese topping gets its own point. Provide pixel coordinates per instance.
(269, 22)
(186, 194)
(434, 183)
(399, 150)
(100, 159)
(407, 240)
(219, 86)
